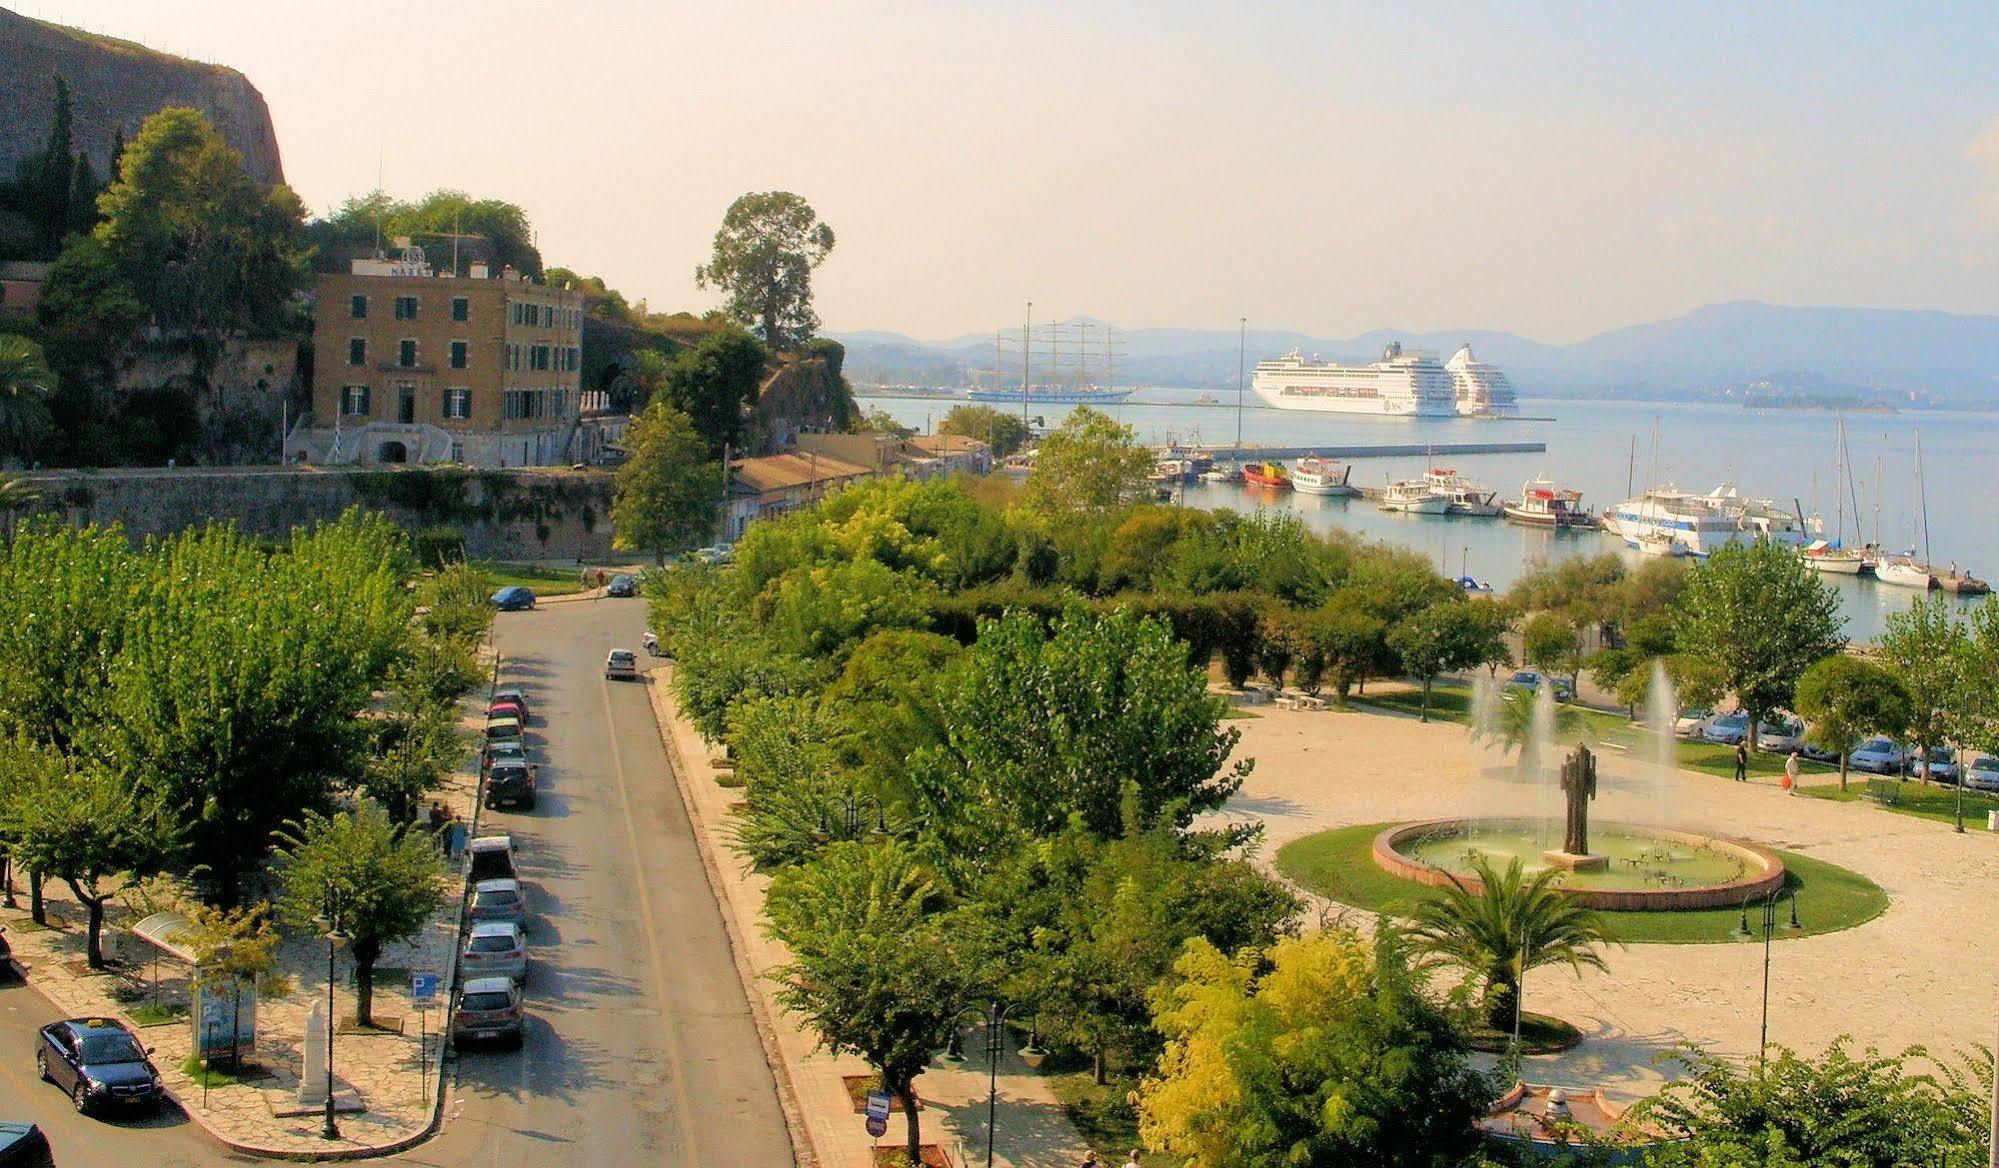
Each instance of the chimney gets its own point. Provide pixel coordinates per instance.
(478, 270)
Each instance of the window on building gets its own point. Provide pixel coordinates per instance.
(357, 307)
(461, 308)
(357, 350)
(406, 354)
(354, 401)
(405, 308)
(458, 350)
(457, 402)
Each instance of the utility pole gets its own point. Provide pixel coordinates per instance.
(1026, 350)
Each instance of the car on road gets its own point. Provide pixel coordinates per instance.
(496, 949)
(1983, 773)
(489, 1011)
(499, 900)
(622, 585)
(1532, 679)
(510, 784)
(514, 694)
(1728, 729)
(22, 1145)
(100, 1063)
(514, 598)
(1693, 723)
(621, 664)
(1877, 756)
(492, 858)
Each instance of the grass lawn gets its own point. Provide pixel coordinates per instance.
(544, 581)
(1452, 703)
(1916, 798)
(1539, 1034)
(1339, 865)
(1102, 1116)
(212, 1076)
(155, 1014)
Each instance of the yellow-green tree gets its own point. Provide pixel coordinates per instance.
(1091, 463)
(1330, 1054)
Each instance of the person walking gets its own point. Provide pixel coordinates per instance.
(1742, 762)
(1131, 1161)
(1791, 773)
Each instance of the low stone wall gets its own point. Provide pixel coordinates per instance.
(1389, 856)
(519, 514)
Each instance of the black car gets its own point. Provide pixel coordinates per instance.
(510, 784)
(100, 1063)
(22, 1145)
(622, 585)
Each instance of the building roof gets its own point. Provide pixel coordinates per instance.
(947, 444)
(777, 472)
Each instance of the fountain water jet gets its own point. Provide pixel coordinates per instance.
(1547, 778)
(1661, 710)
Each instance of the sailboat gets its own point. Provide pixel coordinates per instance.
(1907, 571)
(1835, 558)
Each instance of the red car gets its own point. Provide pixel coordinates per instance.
(508, 708)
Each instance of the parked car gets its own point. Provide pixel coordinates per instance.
(650, 643)
(100, 1063)
(513, 598)
(514, 694)
(1693, 723)
(507, 708)
(621, 664)
(22, 1145)
(492, 857)
(510, 784)
(1781, 737)
(503, 727)
(1819, 752)
(1943, 764)
(622, 585)
(1983, 773)
(505, 750)
(496, 949)
(499, 900)
(489, 1011)
(1728, 729)
(1532, 679)
(1877, 755)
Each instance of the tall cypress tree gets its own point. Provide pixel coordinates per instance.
(50, 178)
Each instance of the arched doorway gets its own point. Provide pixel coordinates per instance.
(392, 452)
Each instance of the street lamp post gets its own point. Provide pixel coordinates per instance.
(329, 1129)
(853, 808)
(993, 1017)
(1770, 927)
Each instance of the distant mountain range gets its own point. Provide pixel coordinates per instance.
(1892, 355)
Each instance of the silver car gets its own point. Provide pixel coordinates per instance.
(1879, 755)
(499, 900)
(489, 1011)
(496, 949)
(1983, 773)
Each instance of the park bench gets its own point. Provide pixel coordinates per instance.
(1886, 792)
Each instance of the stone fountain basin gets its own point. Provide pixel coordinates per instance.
(1765, 870)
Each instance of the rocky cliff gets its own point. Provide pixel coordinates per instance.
(114, 85)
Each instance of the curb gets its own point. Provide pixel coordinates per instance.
(803, 1151)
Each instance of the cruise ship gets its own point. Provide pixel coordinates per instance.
(1483, 390)
(1699, 523)
(1403, 384)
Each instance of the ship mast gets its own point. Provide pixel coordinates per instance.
(1026, 357)
(1241, 347)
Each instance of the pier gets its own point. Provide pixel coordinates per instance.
(1370, 450)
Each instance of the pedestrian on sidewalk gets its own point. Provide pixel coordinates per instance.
(1742, 762)
(1791, 773)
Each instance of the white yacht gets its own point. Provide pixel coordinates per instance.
(1416, 497)
(1482, 390)
(1543, 503)
(1701, 523)
(1320, 476)
(1404, 383)
(1463, 497)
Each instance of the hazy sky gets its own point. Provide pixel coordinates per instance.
(1554, 170)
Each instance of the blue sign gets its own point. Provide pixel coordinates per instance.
(423, 990)
(878, 1102)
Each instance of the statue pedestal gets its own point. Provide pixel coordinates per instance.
(1575, 863)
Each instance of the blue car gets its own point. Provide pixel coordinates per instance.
(99, 1063)
(513, 598)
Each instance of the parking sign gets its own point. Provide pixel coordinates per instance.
(423, 989)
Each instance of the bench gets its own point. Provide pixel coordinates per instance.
(1886, 792)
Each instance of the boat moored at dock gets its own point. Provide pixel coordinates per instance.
(1267, 474)
(1414, 497)
(1542, 503)
(1321, 476)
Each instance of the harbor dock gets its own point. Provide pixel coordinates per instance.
(1398, 450)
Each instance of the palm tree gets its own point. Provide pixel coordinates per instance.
(1512, 725)
(1500, 931)
(25, 387)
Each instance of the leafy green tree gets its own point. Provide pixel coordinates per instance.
(1353, 641)
(1048, 725)
(501, 232)
(765, 252)
(668, 491)
(1444, 638)
(1845, 699)
(876, 968)
(1507, 925)
(1090, 463)
(1838, 1109)
(599, 299)
(89, 313)
(715, 384)
(26, 384)
(999, 429)
(1267, 552)
(797, 797)
(1928, 648)
(1330, 1054)
(1512, 727)
(83, 825)
(372, 880)
(417, 743)
(55, 190)
(66, 598)
(1761, 616)
(1551, 643)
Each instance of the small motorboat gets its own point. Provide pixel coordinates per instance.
(1414, 497)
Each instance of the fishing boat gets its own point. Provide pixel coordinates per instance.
(1170, 470)
(1267, 474)
(1465, 497)
(1320, 476)
(1543, 504)
(1221, 474)
(1414, 497)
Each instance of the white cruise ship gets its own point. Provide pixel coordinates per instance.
(1402, 384)
(1483, 390)
(1698, 523)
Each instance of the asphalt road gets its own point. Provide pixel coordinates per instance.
(640, 1050)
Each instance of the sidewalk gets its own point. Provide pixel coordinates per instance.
(396, 1073)
(1033, 1130)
